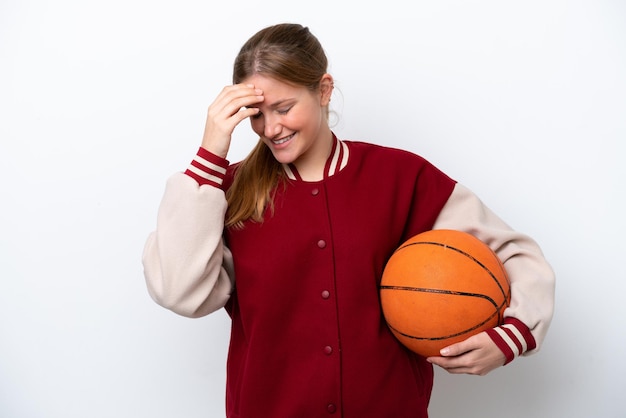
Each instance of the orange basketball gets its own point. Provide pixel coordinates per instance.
(441, 287)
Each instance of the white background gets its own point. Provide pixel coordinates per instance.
(100, 101)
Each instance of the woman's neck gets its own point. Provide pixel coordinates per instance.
(311, 168)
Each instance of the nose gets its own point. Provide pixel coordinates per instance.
(272, 126)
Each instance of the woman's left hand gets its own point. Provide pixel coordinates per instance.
(476, 355)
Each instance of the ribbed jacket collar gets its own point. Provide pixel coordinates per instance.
(337, 160)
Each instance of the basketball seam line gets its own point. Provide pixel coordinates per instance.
(458, 250)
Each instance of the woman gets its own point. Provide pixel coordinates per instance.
(293, 240)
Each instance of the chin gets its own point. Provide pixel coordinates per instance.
(284, 156)
(283, 159)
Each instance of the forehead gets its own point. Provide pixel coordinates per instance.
(274, 89)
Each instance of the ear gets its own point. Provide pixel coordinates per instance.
(327, 84)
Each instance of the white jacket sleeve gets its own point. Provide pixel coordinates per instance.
(187, 267)
(532, 278)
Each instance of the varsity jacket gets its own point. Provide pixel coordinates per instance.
(308, 338)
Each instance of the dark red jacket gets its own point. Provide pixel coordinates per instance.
(308, 337)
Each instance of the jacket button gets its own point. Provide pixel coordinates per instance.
(331, 408)
(321, 243)
(325, 294)
(315, 191)
(328, 350)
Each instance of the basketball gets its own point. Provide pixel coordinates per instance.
(441, 287)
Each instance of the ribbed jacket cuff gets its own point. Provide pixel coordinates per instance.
(513, 338)
(208, 168)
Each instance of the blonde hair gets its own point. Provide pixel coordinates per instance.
(292, 54)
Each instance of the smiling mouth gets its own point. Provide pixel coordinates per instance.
(282, 140)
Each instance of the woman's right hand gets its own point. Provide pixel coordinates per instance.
(225, 113)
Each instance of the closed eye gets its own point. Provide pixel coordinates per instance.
(281, 112)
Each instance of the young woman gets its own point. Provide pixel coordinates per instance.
(293, 240)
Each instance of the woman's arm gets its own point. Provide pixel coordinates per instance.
(532, 279)
(187, 267)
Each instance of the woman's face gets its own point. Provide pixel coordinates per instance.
(292, 120)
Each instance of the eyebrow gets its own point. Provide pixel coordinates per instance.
(281, 103)
(277, 104)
